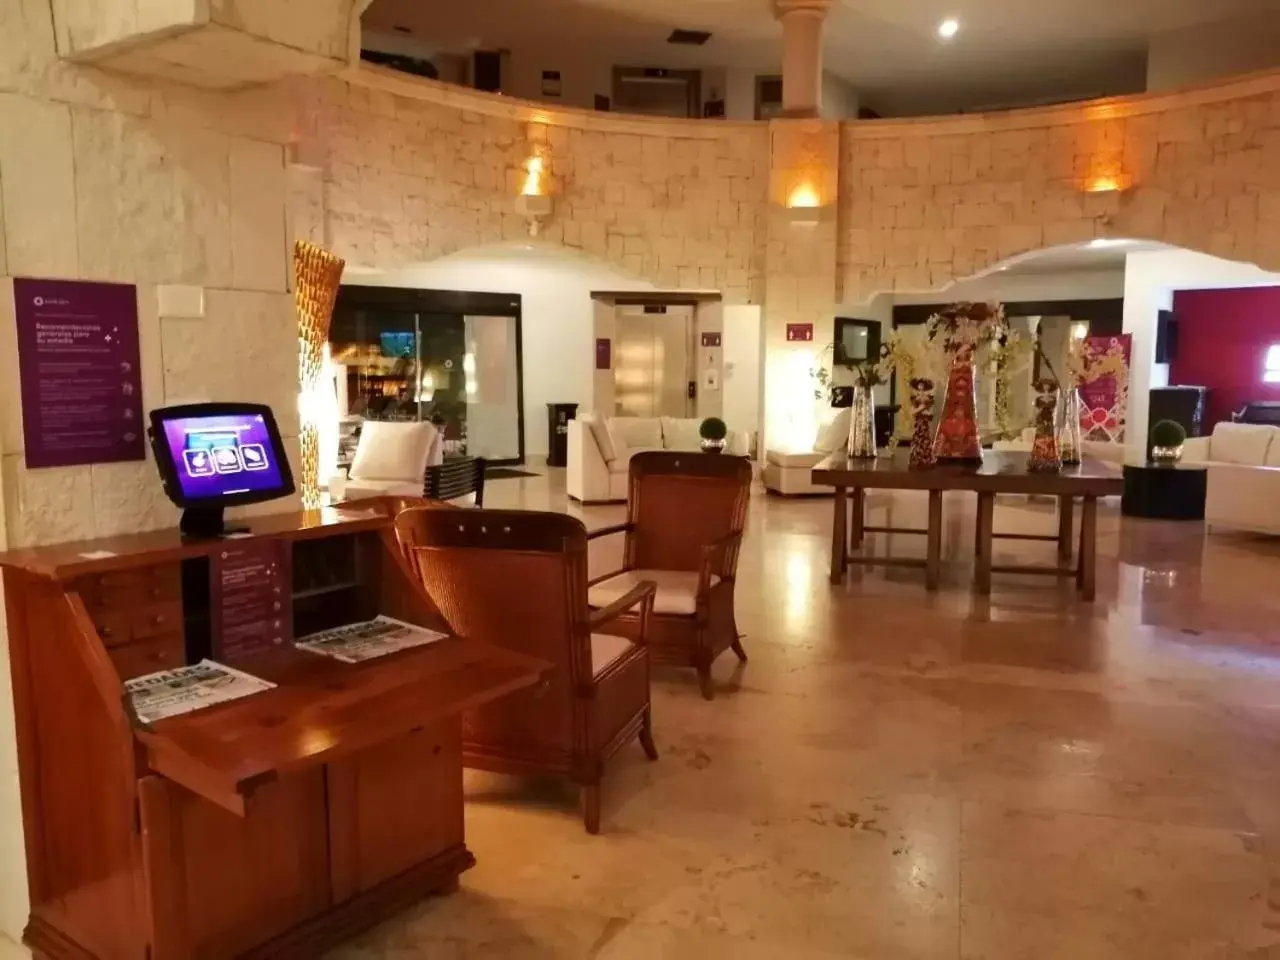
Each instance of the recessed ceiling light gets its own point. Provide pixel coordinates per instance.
(948, 28)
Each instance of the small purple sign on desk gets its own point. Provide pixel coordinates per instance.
(80, 372)
(251, 609)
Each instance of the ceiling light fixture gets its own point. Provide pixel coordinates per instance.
(948, 28)
(1102, 242)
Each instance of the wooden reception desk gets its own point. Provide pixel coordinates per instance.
(271, 826)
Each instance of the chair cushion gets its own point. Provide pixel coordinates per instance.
(834, 434)
(784, 459)
(393, 451)
(1243, 443)
(1273, 453)
(681, 434)
(643, 432)
(605, 649)
(599, 429)
(677, 589)
(363, 489)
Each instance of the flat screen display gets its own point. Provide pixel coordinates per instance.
(224, 456)
(397, 344)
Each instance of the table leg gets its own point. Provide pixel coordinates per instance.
(857, 533)
(1066, 512)
(933, 558)
(1088, 548)
(985, 528)
(839, 547)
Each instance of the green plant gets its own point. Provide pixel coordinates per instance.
(1168, 433)
(713, 428)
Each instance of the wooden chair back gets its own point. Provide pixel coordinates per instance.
(680, 503)
(515, 579)
(455, 479)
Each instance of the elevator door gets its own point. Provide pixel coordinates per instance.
(654, 365)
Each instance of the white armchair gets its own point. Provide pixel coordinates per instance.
(1243, 483)
(391, 459)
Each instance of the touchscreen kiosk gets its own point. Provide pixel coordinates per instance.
(217, 455)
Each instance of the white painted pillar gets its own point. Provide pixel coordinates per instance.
(801, 55)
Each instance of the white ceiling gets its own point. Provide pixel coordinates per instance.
(875, 44)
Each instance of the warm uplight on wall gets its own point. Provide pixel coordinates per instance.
(804, 204)
(533, 177)
(803, 196)
(534, 204)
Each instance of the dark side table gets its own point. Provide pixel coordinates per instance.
(1164, 491)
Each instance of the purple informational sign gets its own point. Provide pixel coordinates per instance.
(604, 354)
(252, 598)
(222, 455)
(81, 378)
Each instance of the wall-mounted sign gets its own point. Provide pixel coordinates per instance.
(604, 354)
(799, 332)
(251, 593)
(551, 85)
(711, 339)
(80, 373)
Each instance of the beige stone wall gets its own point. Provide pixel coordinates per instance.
(108, 178)
(924, 202)
(415, 170)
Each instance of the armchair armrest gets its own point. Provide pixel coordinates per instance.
(642, 594)
(715, 560)
(609, 530)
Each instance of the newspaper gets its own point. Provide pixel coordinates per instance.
(365, 641)
(173, 692)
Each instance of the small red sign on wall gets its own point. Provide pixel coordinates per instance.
(711, 339)
(799, 332)
(604, 354)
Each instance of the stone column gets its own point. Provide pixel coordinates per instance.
(801, 54)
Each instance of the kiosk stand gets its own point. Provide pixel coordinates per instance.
(269, 826)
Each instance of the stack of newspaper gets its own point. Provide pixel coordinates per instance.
(365, 641)
(172, 692)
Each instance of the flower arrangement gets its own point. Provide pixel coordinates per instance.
(968, 325)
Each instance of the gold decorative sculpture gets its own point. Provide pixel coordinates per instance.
(316, 277)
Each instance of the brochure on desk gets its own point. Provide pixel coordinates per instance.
(365, 641)
(173, 692)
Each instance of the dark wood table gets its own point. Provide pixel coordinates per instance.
(999, 472)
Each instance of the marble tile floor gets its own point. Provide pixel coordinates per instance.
(898, 774)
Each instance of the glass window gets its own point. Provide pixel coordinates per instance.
(1271, 368)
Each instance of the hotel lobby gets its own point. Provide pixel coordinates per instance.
(370, 252)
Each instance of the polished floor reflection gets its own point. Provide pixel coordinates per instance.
(898, 774)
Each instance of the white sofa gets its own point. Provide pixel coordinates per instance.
(600, 450)
(391, 459)
(1243, 476)
(790, 472)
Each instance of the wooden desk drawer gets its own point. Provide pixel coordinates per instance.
(120, 625)
(130, 588)
(149, 655)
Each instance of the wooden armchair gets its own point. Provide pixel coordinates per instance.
(685, 517)
(518, 579)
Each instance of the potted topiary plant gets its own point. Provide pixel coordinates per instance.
(713, 432)
(1167, 438)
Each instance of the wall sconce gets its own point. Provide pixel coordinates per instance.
(803, 205)
(1107, 183)
(533, 203)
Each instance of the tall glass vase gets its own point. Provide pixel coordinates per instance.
(922, 423)
(1069, 439)
(862, 424)
(957, 438)
(1045, 457)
